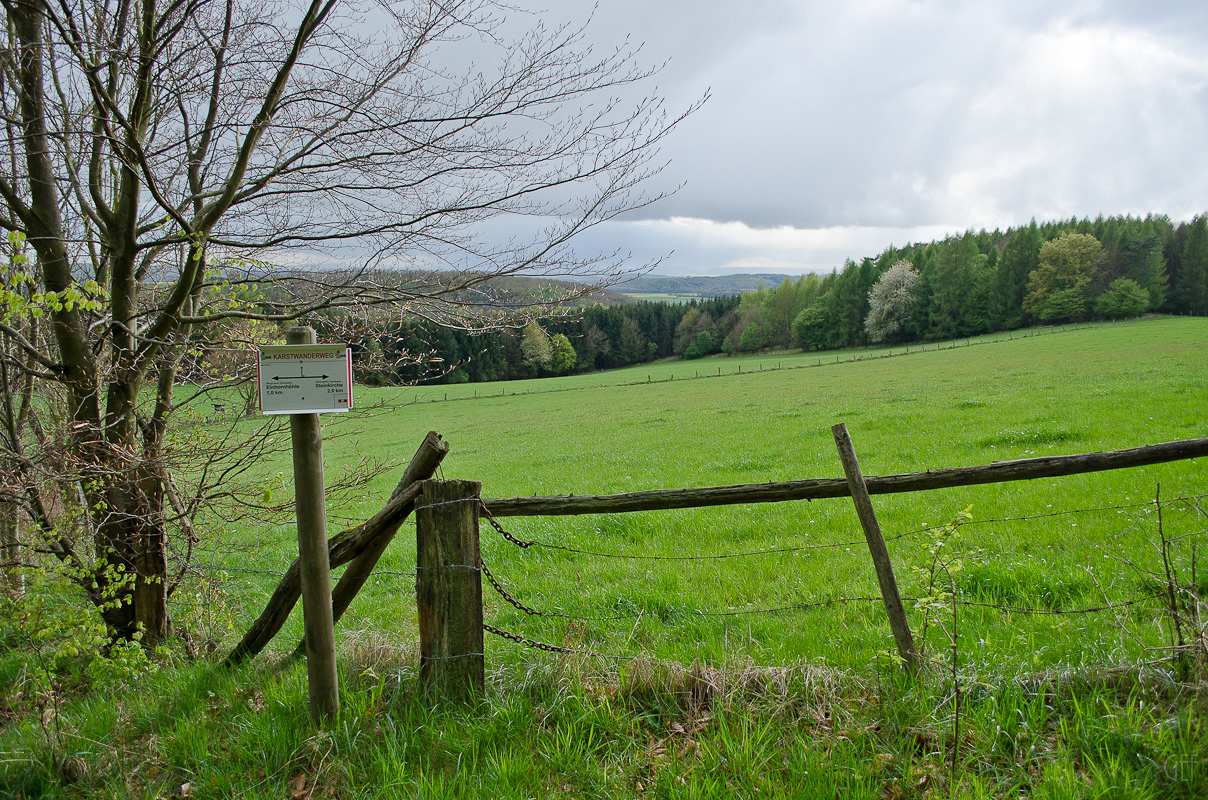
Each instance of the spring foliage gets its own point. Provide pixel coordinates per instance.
(892, 302)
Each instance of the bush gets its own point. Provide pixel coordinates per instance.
(1124, 298)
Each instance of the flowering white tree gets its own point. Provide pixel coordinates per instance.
(892, 302)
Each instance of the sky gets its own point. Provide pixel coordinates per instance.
(835, 129)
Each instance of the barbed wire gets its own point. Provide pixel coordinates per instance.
(1041, 611)
(524, 544)
(1194, 500)
(458, 501)
(694, 612)
(798, 606)
(537, 644)
(202, 568)
(1148, 504)
(551, 648)
(666, 614)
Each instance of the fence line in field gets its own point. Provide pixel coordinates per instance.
(870, 354)
(449, 569)
(456, 541)
(206, 568)
(813, 604)
(1152, 599)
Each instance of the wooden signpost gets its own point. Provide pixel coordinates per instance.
(303, 379)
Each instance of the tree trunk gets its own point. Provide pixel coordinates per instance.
(131, 557)
(10, 548)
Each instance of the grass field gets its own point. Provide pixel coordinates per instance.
(711, 697)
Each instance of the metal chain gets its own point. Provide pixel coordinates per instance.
(521, 543)
(549, 648)
(537, 613)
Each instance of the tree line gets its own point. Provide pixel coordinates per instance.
(977, 282)
(987, 281)
(417, 350)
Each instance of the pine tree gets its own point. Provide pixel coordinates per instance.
(1192, 288)
(1019, 258)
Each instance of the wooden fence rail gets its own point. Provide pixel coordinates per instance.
(365, 541)
(999, 472)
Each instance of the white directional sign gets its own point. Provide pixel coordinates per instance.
(305, 378)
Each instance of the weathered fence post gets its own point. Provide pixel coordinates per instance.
(427, 458)
(312, 555)
(876, 546)
(448, 588)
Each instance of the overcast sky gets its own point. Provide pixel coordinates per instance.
(837, 128)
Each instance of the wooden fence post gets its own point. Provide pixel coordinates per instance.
(876, 546)
(448, 588)
(312, 556)
(427, 458)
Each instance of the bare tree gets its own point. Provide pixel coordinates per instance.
(176, 164)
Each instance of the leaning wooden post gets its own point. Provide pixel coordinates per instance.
(427, 458)
(448, 588)
(876, 546)
(312, 556)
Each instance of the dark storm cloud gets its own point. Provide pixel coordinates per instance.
(889, 116)
(837, 128)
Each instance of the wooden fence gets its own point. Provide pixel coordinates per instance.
(449, 564)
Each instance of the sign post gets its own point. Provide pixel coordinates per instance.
(304, 379)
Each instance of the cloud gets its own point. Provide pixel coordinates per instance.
(694, 246)
(837, 129)
(892, 113)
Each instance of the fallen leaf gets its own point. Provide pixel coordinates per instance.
(297, 787)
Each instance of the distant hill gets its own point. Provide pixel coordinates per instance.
(674, 287)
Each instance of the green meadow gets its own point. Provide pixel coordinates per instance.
(731, 651)
(1090, 389)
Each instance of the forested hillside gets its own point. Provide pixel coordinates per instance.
(975, 283)
(984, 282)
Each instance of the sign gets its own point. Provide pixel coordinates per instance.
(305, 378)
